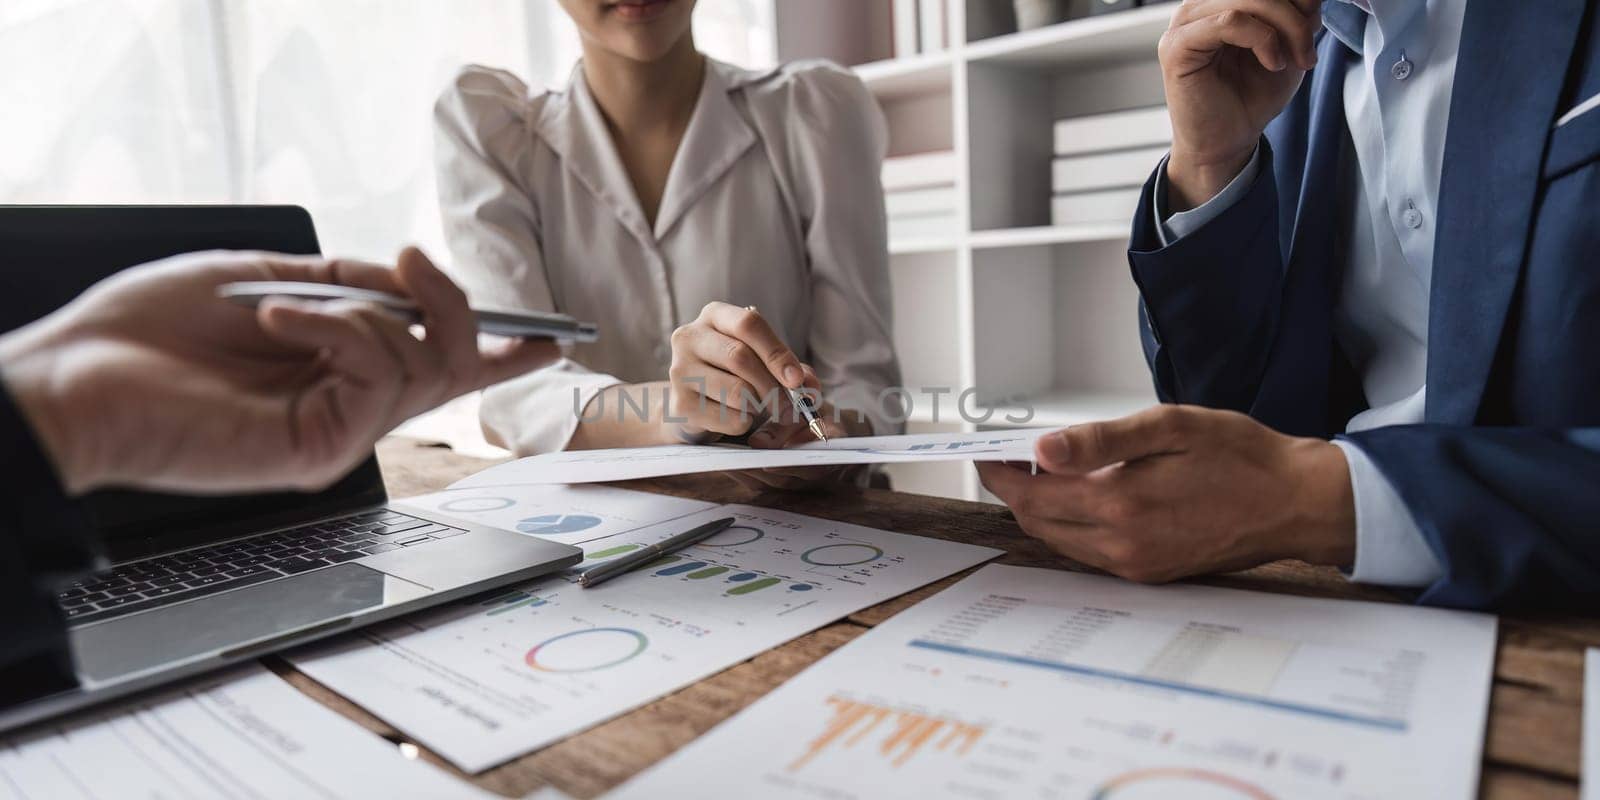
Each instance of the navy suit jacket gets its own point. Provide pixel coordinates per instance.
(1503, 476)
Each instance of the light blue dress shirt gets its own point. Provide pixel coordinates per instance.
(1397, 105)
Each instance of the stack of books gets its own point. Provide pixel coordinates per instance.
(920, 196)
(1102, 161)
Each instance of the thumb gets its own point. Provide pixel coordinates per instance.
(1086, 448)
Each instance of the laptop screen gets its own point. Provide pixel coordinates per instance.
(52, 254)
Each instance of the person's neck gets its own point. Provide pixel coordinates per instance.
(638, 96)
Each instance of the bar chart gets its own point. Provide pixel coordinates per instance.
(896, 735)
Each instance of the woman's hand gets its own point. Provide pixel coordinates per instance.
(730, 372)
(781, 433)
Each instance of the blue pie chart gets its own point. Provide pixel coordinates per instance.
(557, 523)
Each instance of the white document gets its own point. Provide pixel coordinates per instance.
(1036, 683)
(485, 681)
(244, 735)
(591, 466)
(1589, 774)
(567, 514)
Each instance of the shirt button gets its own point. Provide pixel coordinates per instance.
(1412, 217)
(1402, 68)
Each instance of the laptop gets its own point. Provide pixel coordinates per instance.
(200, 582)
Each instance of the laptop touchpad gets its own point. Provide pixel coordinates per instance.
(224, 622)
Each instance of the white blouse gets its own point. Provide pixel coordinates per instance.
(773, 200)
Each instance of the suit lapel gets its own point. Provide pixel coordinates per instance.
(1509, 77)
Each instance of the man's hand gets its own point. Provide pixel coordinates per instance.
(149, 380)
(1182, 490)
(1229, 67)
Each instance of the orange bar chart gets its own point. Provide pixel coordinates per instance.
(906, 734)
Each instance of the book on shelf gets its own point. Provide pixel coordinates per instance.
(903, 15)
(1095, 207)
(919, 170)
(922, 226)
(931, 28)
(1105, 170)
(1117, 130)
(917, 202)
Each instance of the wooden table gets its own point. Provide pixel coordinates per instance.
(1532, 749)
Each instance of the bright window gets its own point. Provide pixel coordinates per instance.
(320, 103)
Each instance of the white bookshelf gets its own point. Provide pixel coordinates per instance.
(1024, 311)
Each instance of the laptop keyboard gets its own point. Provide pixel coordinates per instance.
(185, 575)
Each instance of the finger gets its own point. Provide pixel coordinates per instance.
(352, 347)
(751, 328)
(774, 435)
(425, 381)
(700, 400)
(781, 479)
(706, 345)
(1195, 44)
(747, 481)
(452, 332)
(691, 383)
(1295, 27)
(1045, 496)
(811, 380)
(316, 269)
(810, 476)
(1084, 448)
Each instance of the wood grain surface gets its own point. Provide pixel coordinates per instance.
(1531, 751)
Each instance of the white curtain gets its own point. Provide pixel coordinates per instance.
(320, 103)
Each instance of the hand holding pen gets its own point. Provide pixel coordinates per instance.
(732, 375)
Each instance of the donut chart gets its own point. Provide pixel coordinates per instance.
(841, 555)
(477, 504)
(733, 536)
(557, 523)
(1164, 782)
(586, 650)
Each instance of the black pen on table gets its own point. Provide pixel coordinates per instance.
(611, 569)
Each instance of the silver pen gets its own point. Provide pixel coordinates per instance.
(644, 555)
(808, 410)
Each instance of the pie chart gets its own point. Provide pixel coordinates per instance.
(841, 555)
(557, 523)
(586, 650)
(1163, 782)
(470, 504)
(733, 536)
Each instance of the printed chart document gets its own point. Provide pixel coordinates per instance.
(1589, 774)
(572, 515)
(593, 466)
(1035, 683)
(488, 680)
(245, 735)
